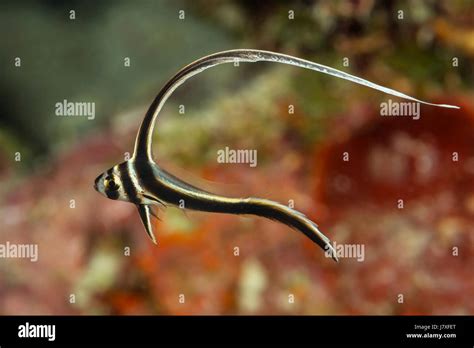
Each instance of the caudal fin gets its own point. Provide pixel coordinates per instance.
(290, 217)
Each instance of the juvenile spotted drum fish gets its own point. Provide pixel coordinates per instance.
(142, 182)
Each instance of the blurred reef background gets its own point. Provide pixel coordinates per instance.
(98, 251)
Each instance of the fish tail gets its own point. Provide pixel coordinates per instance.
(292, 218)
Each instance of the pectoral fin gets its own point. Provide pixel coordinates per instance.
(146, 213)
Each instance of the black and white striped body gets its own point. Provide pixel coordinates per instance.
(142, 182)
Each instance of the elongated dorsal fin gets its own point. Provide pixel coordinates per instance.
(146, 215)
(144, 136)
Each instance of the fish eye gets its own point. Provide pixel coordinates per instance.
(110, 184)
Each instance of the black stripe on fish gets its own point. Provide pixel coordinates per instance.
(128, 186)
(110, 193)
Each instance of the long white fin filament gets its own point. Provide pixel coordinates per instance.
(144, 137)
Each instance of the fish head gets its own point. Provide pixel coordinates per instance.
(110, 184)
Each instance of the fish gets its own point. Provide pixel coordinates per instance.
(141, 181)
